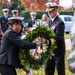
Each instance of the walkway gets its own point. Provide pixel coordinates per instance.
(68, 44)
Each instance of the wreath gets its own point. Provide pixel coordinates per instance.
(28, 60)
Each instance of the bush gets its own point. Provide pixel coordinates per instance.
(26, 15)
(68, 12)
(0, 12)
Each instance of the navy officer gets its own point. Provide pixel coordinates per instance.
(57, 25)
(11, 43)
(32, 21)
(4, 20)
(15, 13)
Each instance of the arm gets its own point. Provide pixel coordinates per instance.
(29, 23)
(59, 34)
(16, 40)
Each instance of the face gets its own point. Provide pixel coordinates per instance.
(15, 15)
(44, 17)
(5, 13)
(33, 16)
(17, 27)
(53, 13)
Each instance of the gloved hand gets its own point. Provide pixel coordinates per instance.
(23, 36)
(38, 42)
(48, 42)
(52, 41)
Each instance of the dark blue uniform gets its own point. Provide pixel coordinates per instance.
(31, 22)
(3, 22)
(9, 51)
(10, 48)
(59, 53)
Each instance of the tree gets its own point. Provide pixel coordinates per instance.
(16, 4)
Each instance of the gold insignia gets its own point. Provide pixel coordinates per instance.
(53, 27)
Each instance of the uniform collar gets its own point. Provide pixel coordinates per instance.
(52, 19)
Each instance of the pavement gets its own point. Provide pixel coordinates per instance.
(68, 44)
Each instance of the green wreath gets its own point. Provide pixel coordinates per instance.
(26, 59)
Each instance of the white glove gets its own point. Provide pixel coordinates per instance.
(23, 37)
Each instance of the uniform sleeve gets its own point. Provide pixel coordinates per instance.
(29, 23)
(16, 40)
(59, 35)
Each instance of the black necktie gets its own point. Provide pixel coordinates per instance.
(51, 22)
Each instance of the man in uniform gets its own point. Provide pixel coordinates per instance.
(15, 13)
(11, 43)
(32, 20)
(4, 20)
(57, 25)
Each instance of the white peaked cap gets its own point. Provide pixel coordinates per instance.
(14, 11)
(33, 13)
(51, 6)
(5, 10)
(17, 18)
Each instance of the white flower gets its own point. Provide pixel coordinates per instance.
(37, 57)
(44, 50)
(32, 28)
(39, 51)
(23, 36)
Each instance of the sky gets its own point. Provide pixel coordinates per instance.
(65, 3)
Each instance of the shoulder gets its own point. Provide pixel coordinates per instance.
(59, 20)
(9, 32)
(9, 16)
(30, 20)
(1, 17)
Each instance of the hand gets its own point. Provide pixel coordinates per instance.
(38, 43)
(24, 69)
(52, 41)
(43, 40)
(48, 42)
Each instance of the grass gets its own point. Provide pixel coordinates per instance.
(41, 71)
(67, 36)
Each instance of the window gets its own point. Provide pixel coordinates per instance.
(68, 18)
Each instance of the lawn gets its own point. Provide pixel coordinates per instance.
(67, 36)
(41, 71)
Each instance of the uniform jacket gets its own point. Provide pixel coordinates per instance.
(58, 27)
(9, 51)
(3, 22)
(31, 22)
